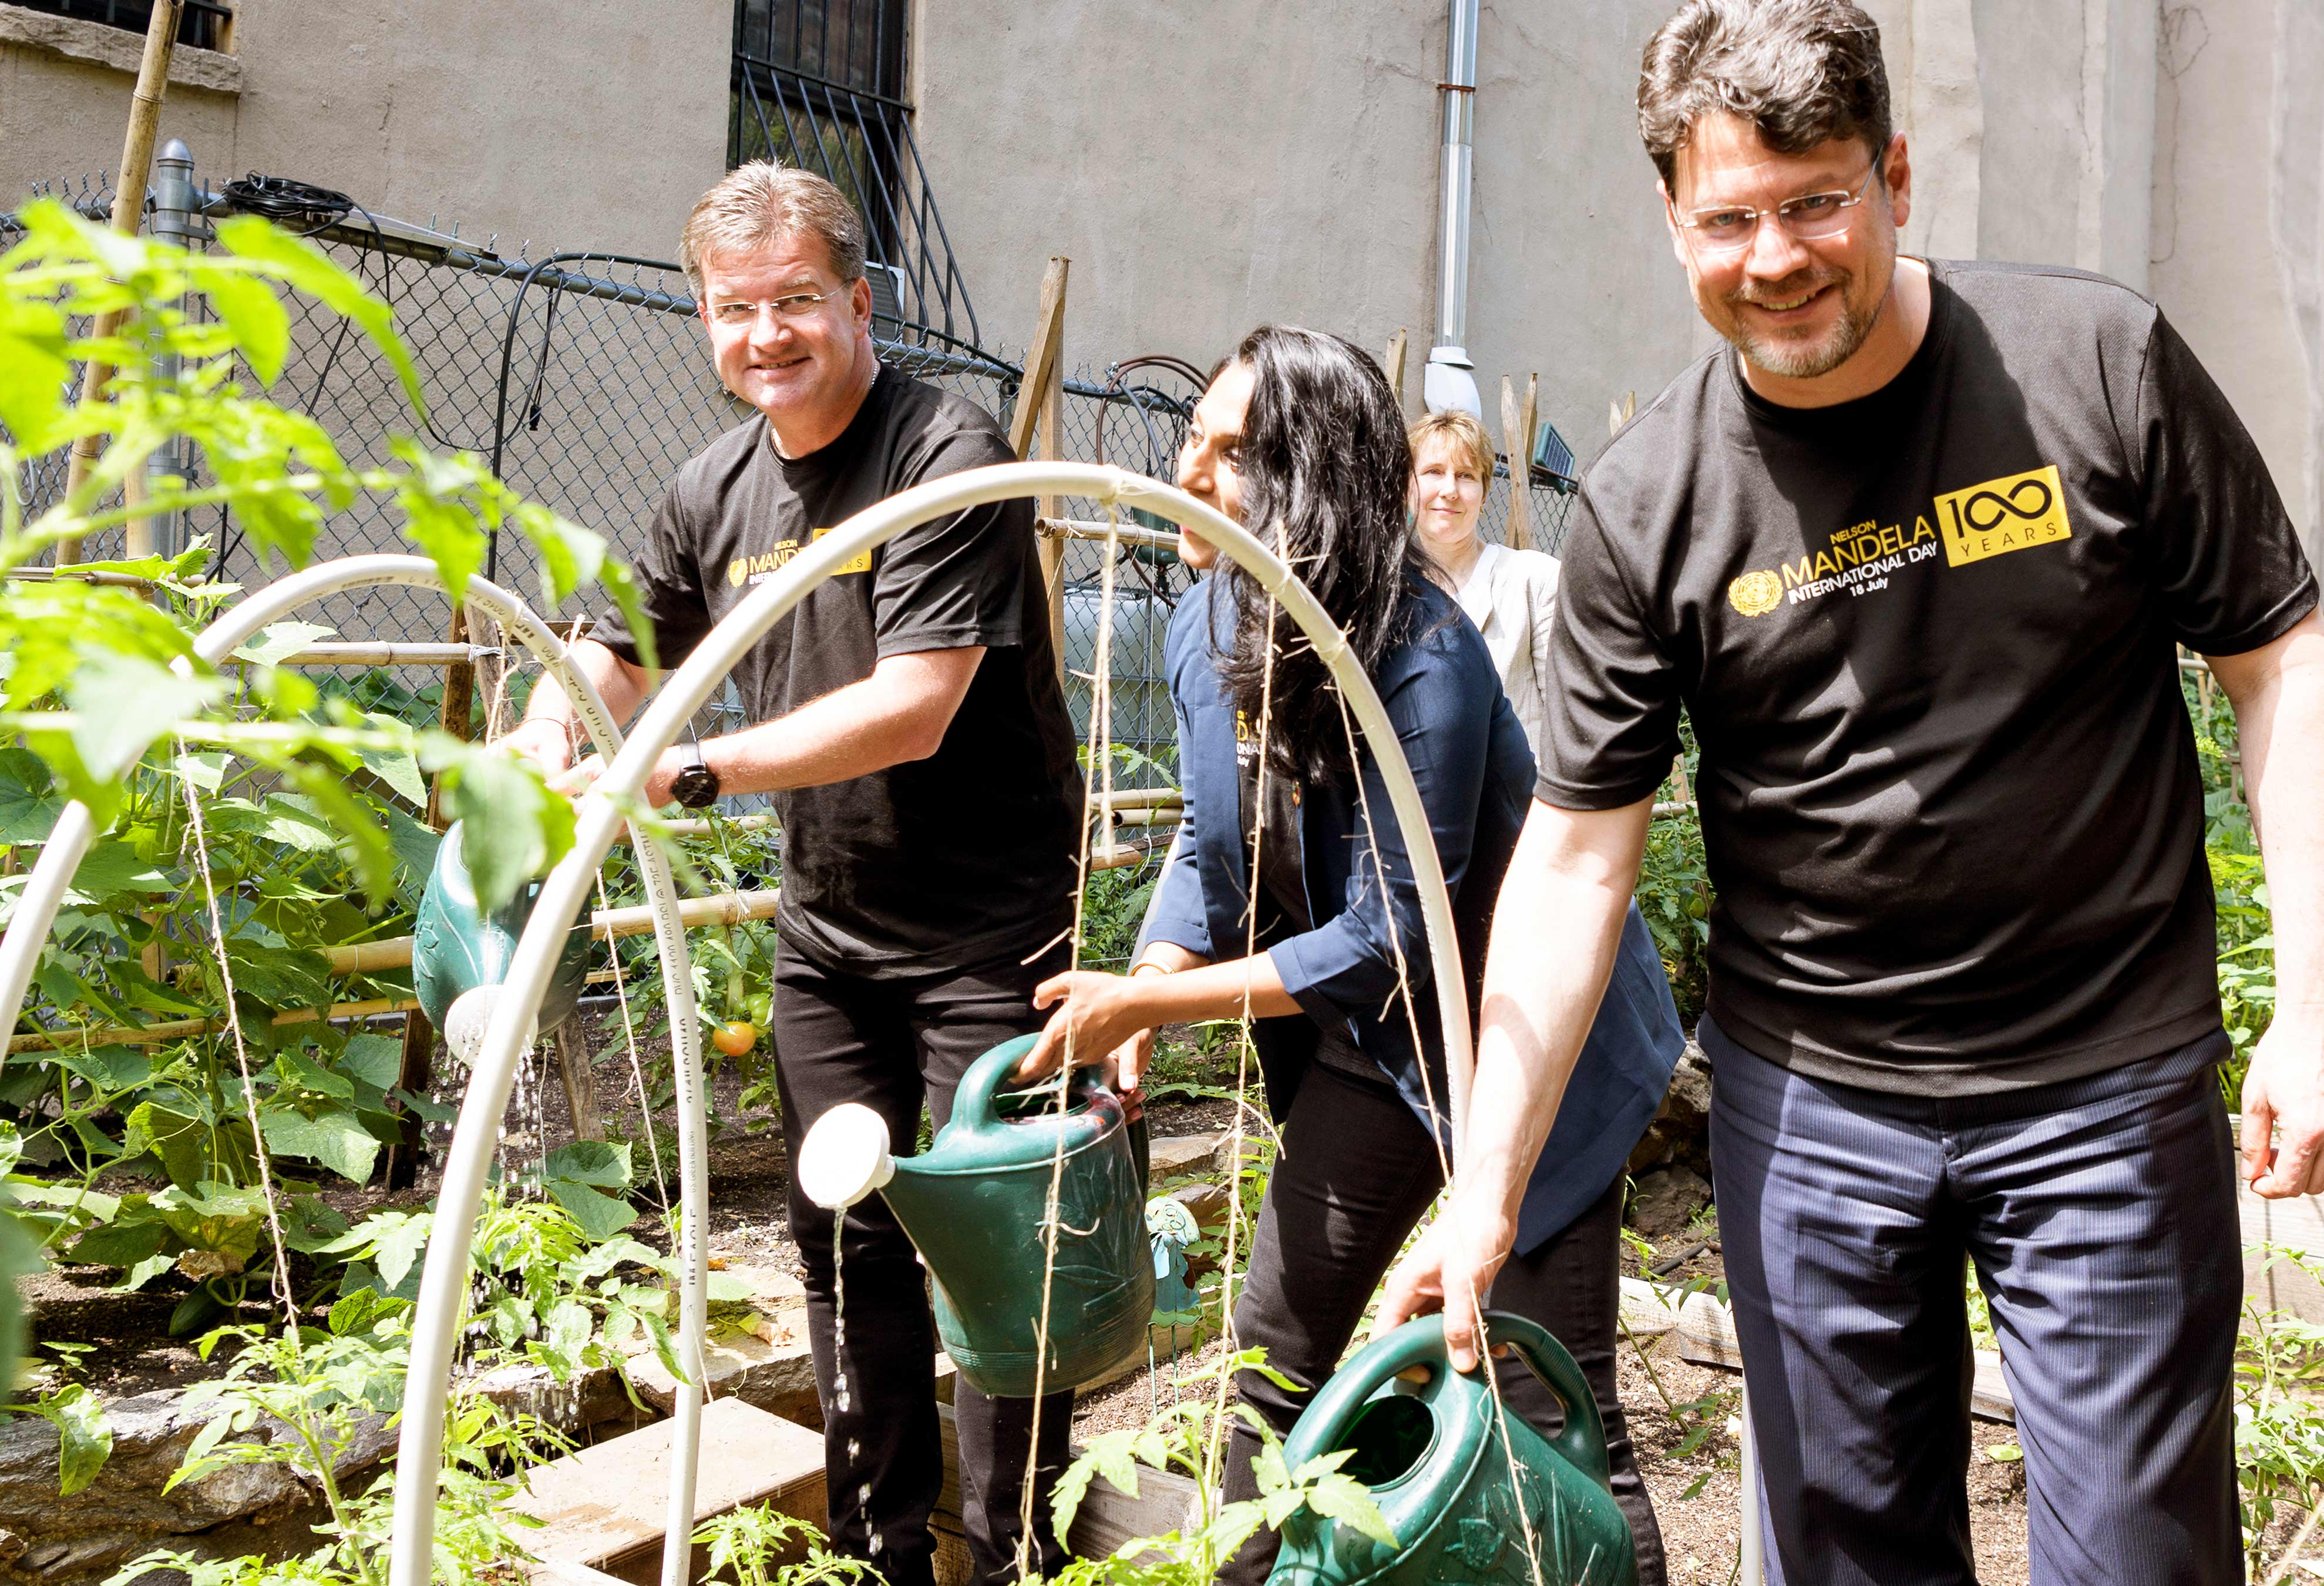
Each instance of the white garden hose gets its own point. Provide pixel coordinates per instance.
(69, 840)
(445, 1281)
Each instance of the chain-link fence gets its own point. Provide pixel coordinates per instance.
(582, 377)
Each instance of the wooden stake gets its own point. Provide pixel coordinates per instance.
(1519, 457)
(1393, 364)
(459, 695)
(580, 1080)
(1040, 399)
(400, 1163)
(128, 210)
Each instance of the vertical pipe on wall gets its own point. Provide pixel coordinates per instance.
(1449, 381)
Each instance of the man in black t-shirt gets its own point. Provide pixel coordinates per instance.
(1914, 554)
(909, 725)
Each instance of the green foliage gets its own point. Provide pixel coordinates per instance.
(333, 1388)
(1188, 1437)
(750, 1543)
(1113, 909)
(2279, 1409)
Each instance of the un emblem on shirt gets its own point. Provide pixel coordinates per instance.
(1755, 594)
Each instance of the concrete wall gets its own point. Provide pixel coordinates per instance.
(587, 123)
(1210, 167)
(2176, 148)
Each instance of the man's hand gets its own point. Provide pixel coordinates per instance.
(1451, 1269)
(2284, 1089)
(656, 793)
(546, 740)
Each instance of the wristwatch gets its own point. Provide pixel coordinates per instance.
(696, 785)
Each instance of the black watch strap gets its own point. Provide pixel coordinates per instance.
(696, 785)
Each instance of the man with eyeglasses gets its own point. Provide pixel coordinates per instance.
(1914, 553)
(908, 718)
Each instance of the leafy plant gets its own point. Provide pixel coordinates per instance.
(330, 1389)
(2279, 1409)
(1185, 1437)
(750, 1542)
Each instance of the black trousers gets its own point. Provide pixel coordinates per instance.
(1356, 1173)
(895, 1044)
(2100, 1214)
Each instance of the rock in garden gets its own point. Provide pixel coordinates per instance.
(1667, 1200)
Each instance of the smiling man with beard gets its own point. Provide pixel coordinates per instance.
(1913, 552)
(907, 717)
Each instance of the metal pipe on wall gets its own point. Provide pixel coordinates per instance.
(1450, 381)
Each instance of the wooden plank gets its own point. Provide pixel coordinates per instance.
(1040, 401)
(1521, 469)
(604, 1508)
(1392, 366)
(1040, 358)
(1515, 452)
(2296, 1224)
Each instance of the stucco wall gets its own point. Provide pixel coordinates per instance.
(589, 124)
(1207, 168)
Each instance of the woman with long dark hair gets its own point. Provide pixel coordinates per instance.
(1299, 437)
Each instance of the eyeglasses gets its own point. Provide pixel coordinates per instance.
(738, 312)
(1810, 218)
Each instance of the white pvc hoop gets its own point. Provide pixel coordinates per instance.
(74, 830)
(445, 1278)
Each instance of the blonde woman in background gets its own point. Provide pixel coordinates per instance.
(1510, 594)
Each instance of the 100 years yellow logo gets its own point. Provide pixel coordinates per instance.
(1755, 594)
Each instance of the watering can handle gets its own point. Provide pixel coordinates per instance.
(1421, 1342)
(1583, 1440)
(973, 1104)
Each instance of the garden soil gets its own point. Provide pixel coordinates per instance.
(748, 1226)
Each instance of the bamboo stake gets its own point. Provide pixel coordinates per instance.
(1128, 533)
(724, 909)
(128, 210)
(1136, 798)
(177, 1029)
(727, 909)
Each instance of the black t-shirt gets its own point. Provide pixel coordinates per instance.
(1949, 794)
(960, 858)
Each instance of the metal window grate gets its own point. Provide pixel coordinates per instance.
(854, 45)
(202, 24)
(818, 85)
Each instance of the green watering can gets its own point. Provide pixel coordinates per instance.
(976, 1205)
(1432, 1453)
(460, 955)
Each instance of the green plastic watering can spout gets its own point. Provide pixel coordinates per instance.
(460, 955)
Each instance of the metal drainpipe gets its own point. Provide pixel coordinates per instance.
(1449, 381)
(174, 223)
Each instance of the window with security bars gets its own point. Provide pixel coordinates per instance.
(821, 85)
(203, 23)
